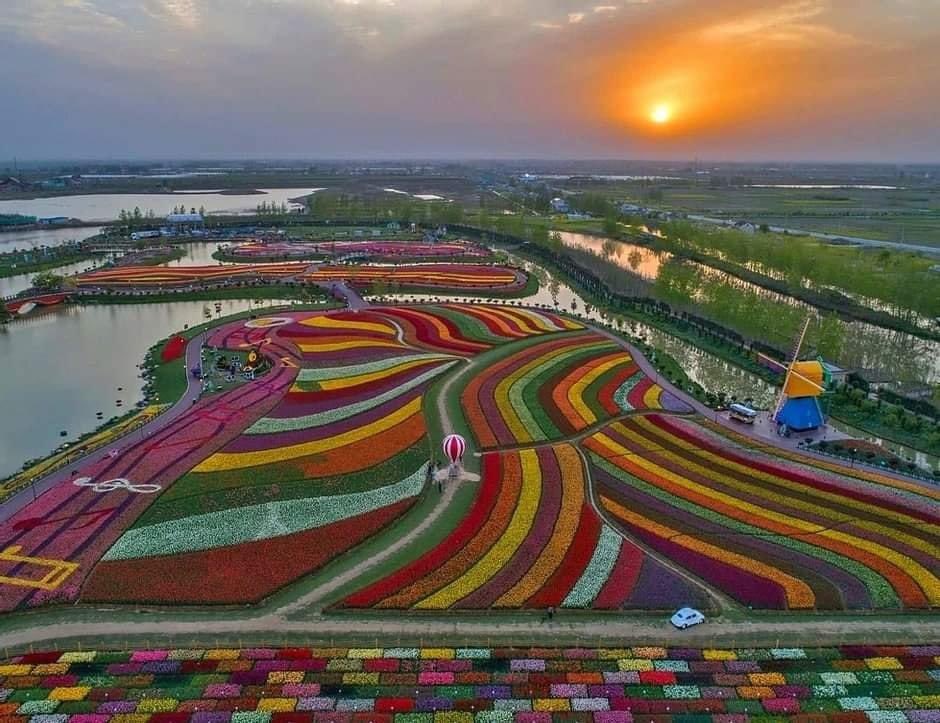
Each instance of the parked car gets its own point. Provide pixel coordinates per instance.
(687, 617)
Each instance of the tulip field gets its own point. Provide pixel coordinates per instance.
(765, 532)
(160, 276)
(340, 456)
(450, 276)
(469, 277)
(555, 388)
(531, 540)
(599, 490)
(851, 684)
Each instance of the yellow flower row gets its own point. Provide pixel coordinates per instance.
(505, 546)
(224, 461)
(552, 555)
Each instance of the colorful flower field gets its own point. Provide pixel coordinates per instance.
(185, 275)
(469, 330)
(767, 533)
(371, 248)
(531, 540)
(552, 389)
(341, 455)
(49, 547)
(446, 276)
(850, 684)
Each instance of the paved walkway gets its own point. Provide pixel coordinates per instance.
(615, 631)
(18, 501)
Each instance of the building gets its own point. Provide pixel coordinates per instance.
(629, 209)
(745, 226)
(52, 220)
(9, 184)
(559, 205)
(183, 223)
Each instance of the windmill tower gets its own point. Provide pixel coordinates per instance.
(797, 407)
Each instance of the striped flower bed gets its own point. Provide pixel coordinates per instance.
(183, 275)
(767, 533)
(530, 540)
(554, 389)
(471, 685)
(468, 330)
(338, 457)
(378, 249)
(445, 276)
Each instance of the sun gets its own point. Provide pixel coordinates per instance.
(661, 113)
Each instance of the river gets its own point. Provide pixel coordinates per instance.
(865, 346)
(108, 206)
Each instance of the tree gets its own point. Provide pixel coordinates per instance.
(48, 281)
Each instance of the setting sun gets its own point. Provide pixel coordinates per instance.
(661, 113)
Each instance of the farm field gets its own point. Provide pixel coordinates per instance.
(762, 531)
(531, 540)
(463, 685)
(555, 388)
(182, 275)
(321, 452)
(446, 276)
(601, 492)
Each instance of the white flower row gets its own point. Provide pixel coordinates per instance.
(352, 370)
(257, 522)
(598, 570)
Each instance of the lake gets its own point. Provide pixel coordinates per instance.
(107, 206)
(65, 364)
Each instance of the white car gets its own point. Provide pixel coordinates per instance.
(687, 617)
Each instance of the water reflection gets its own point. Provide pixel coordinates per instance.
(12, 240)
(641, 260)
(886, 352)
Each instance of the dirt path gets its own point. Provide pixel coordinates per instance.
(322, 591)
(565, 627)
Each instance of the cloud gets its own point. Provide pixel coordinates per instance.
(517, 77)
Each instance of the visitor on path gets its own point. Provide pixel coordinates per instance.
(551, 612)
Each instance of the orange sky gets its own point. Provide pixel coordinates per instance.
(742, 79)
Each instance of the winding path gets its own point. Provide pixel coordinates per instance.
(17, 501)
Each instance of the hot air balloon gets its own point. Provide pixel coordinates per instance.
(454, 446)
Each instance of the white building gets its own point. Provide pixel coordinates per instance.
(559, 205)
(180, 223)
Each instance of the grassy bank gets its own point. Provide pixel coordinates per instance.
(9, 266)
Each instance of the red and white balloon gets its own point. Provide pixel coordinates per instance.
(454, 447)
